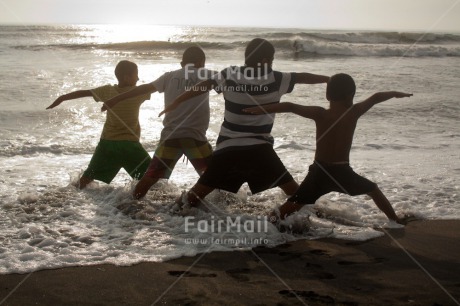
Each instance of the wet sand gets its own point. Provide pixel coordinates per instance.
(417, 265)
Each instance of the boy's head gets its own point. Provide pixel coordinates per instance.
(340, 87)
(126, 73)
(193, 55)
(259, 52)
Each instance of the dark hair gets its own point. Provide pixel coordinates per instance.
(257, 50)
(192, 55)
(340, 87)
(124, 68)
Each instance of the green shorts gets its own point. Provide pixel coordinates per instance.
(112, 155)
(170, 151)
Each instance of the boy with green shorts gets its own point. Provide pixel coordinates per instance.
(184, 131)
(119, 146)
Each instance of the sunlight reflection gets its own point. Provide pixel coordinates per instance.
(130, 33)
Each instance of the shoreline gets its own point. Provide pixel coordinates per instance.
(416, 265)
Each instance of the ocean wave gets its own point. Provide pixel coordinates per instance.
(10, 150)
(309, 47)
(368, 44)
(136, 46)
(369, 37)
(303, 43)
(301, 46)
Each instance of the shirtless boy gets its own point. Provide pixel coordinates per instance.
(335, 127)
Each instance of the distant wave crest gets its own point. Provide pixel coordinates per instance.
(35, 149)
(366, 44)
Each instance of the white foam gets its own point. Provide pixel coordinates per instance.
(87, 228)
(53, 227)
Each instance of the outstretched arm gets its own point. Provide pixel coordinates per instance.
(311, 112)
(308, 78)
(197, 90)
(70, 96)
(379, 97)
(139, 90)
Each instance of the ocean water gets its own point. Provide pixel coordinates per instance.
(410, 147)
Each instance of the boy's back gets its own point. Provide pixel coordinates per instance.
(335, 126)
(119, 145)
(243, 87)
(191, 119)
(122, 121)
(334, 133)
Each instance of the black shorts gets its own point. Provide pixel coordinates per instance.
(258, 165)
(324, 178)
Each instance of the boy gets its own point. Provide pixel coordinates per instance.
(119, 146)
(244, 150)
(335, 126)
(184, 129)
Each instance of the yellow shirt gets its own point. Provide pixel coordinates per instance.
(122, 122)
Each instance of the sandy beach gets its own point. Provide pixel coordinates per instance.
(418, 265)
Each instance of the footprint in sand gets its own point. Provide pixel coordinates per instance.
(316, 271)
(240, 274)
(315, 298)
(287, 256)
(310, 296)
(190, 274)
(371, 261)
(319, 252)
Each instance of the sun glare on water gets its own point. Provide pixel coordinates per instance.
(131, 33)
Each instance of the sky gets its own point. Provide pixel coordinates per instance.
(410, 15)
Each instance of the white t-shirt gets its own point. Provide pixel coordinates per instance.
(191, 118)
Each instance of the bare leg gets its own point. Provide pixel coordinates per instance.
(382, 202)
(199, 191)
(200, 171)
(143, 187)
(286, 209)
(84, 181)
(290, 187)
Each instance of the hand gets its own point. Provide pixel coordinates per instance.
(168, 109)
(398, 94)
(55, 103)
(107, 104)
(256, 110)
